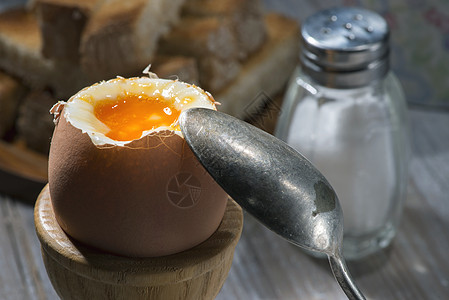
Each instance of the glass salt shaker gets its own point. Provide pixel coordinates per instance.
(345, 111)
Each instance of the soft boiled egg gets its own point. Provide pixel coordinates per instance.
(122, 178)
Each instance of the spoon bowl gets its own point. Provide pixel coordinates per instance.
(272, 182)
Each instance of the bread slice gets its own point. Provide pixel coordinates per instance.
(245, 18)
(200, 37)
(266, 72)
(34, 123)
(20, 56)
(222, 8)
(114, 42)
(11, 92)
(121, 36)
(211, 42)
(20, 45)
(176, 67)
(62, 23)
(261, 77)
(215, 74)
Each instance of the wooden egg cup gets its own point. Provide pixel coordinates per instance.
(80, 272)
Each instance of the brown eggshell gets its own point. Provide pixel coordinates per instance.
(132, 200)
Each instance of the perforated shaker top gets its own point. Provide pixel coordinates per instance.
(345, 47)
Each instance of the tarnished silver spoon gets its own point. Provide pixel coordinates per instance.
(272, 182)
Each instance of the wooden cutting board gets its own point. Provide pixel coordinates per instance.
(23, 173)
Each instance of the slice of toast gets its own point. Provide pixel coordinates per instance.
(266, 72)
(62, 23)
(121, 36)
(106, 36)
(215, 74)
(200, 37)
(34, 122)
(176, 67)
(211, 41)
(245, 18)
(20, 44)
(20, 56)
(112, 49)
(11, 92)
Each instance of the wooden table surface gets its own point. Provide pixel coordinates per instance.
(267, 267)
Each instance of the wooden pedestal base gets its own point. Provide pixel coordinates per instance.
(79, 272)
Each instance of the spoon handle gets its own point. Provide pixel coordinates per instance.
(344, 279)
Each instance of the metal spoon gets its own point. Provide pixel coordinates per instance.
(272, 182)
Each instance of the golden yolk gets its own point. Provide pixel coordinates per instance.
(127, 117)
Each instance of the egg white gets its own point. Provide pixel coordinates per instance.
(79, 109)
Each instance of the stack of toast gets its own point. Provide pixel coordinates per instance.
(50, 49)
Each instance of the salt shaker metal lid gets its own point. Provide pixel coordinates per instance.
(345, 47)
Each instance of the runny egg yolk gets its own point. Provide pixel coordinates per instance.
(128, 116)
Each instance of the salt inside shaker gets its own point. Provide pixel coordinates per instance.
(345, 111)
